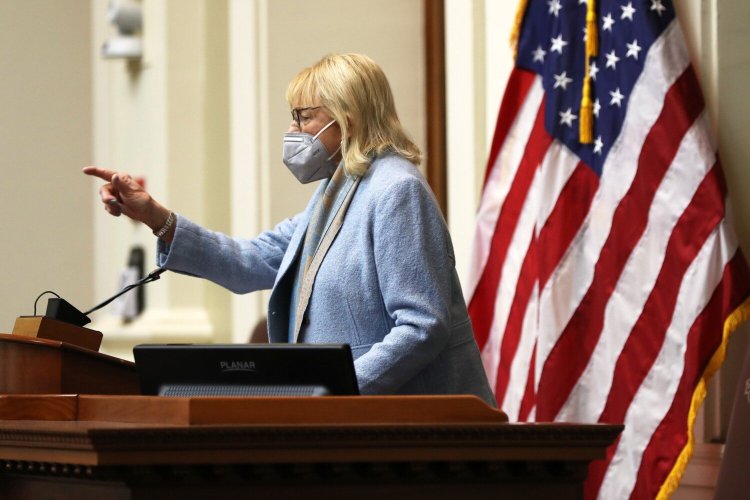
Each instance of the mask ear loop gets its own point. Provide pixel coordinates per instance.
(334, 153)
(315, 137)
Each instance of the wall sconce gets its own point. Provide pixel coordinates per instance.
(127, 17)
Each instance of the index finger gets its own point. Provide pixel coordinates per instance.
(102, 173)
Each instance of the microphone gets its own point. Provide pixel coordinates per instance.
(62, 310)
(152, 276)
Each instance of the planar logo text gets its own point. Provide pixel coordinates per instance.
(237, 366)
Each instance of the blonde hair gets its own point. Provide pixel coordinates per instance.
(354, 90)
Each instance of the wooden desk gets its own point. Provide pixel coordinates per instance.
(332, 447)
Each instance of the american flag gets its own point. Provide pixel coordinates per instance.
(606, 277)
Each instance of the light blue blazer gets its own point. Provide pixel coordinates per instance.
(387, 285)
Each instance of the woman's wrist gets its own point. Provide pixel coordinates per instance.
(162, 223)
(157, 217)
(166, 227)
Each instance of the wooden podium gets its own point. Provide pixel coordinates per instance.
(364, 447)
(31, 365)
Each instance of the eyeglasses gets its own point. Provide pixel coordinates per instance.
(296, 114)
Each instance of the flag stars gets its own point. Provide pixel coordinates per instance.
(597, 108)
(658, 6)
(612, 60)
(627, 11)
(633, 49)
(598, 145)
(567, 117)
(539, 54)
(617, 98)
(554, 7)
(562, 80)
(608, 22)
(593, 70)
(557, 44)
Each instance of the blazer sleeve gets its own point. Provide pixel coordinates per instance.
(415, 265)
(241, 265)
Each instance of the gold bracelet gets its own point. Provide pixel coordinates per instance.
(163, 230)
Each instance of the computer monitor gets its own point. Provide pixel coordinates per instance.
(245, 369)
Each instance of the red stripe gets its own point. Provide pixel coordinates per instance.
(512, 334)
(571, 353)
(561, 226)
(559, 229)
(705, 336)
(527, 403)
(695, 225)
(564, 222)
(699, 220)
(516, 91)
(482, 304)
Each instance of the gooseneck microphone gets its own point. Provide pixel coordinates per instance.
(62, 310)
(152, 276)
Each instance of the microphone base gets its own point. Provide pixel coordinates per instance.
(43, 327)
(61, 309)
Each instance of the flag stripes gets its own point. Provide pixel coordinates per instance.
(638, 357)
(574, 274)
(571, 208)
(628, 228)
(577, 341)
(517, 114)
(654, 398)
(665, 443)
(507, 224)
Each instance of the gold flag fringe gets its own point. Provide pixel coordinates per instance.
(734, 320)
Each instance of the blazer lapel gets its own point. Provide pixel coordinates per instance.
(329, 234)
(297, 240)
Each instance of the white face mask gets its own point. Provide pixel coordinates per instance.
(306, 157)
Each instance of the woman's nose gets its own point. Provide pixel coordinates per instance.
(293, 127)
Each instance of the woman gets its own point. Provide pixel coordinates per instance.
(368, 263)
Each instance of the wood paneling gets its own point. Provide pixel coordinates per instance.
(332, 447)
(435, 166)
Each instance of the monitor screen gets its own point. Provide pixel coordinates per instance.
(245, 369)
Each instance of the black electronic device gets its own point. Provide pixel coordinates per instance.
(245, 369)
(60, 309)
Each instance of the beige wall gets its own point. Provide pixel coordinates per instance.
(732, 72)
(166, 118)
(45, 139)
